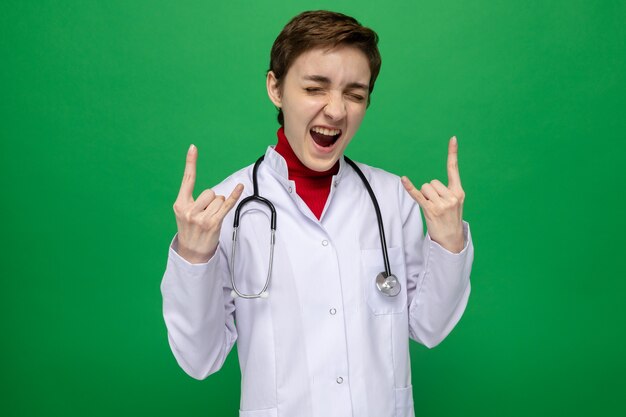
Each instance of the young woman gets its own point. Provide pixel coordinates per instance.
(322, 309)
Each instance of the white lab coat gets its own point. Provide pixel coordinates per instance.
(326, 342)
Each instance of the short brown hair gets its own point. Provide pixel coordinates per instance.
(319, 29)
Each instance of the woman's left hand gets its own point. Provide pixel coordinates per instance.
(443, 206)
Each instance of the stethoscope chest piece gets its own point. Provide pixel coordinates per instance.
(388, 284)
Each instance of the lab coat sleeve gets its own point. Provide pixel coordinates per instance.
(198, 312)
(438, 281)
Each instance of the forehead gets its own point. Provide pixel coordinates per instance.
(341, 65)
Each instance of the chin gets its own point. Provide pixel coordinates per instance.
(321, 165)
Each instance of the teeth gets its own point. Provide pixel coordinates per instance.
(327, 132)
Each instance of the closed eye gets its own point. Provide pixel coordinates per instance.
(356, 97)
(313, 89)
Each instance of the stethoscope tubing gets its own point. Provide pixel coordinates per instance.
(254, 197)
(379, 217)
(383, 285)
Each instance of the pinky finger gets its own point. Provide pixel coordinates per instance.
(414, 192)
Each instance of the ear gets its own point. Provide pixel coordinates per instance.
(273, 90)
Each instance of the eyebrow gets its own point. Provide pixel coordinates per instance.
(325, 80)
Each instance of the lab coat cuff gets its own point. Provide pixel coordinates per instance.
(467, 240)
(188, 267)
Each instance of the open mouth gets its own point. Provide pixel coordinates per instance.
(325, 137)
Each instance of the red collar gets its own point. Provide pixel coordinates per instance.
(313, 187)
(294, 166)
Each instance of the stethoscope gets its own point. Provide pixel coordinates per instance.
(386, 282)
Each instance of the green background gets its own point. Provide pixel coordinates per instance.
(102, 99)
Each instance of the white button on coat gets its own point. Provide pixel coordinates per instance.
(289, 351)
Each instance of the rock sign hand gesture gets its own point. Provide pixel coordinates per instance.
(443, 206)
(199, 222)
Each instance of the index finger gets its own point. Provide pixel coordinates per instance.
(189, 177)
(454, 179)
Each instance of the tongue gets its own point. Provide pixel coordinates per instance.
(322, 139)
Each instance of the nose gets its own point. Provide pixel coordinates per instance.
(335, 108)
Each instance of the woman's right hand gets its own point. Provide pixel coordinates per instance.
(199, 222)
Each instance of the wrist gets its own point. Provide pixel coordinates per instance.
(452, 244)
(193, 256)
(455, 247)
